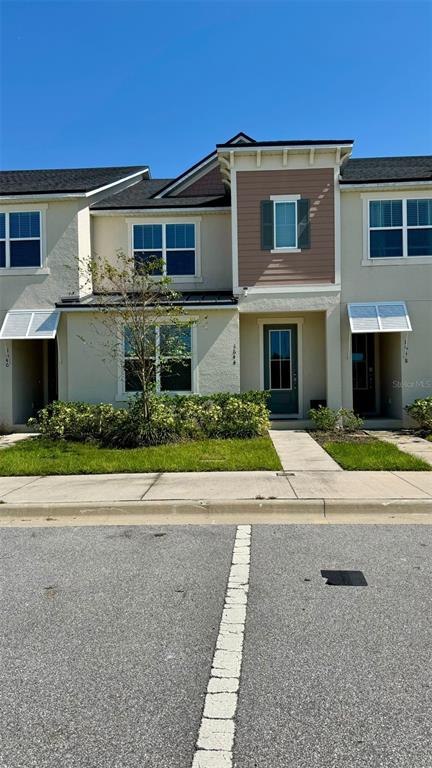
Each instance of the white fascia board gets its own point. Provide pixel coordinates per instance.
(131, 177)
(45, 196)
(251, 148)
(274, 290)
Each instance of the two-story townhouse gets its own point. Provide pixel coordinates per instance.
(306, 273)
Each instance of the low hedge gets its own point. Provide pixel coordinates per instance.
(421, 411)
(330, 420)
(170, 419)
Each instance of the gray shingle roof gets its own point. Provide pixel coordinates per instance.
(364, 170)
(140, 196)
(62, 179)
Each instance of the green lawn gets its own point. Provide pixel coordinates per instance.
(39, 456)
(375, 455)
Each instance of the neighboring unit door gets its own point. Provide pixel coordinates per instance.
(363, 373)
(281, 368)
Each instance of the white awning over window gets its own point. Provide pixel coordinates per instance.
(30, 324)
(379, 317)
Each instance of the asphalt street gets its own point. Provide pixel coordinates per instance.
(107, 637)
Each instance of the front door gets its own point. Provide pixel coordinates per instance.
(281, 368)
(363, 373)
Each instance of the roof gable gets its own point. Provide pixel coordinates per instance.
(203, 168)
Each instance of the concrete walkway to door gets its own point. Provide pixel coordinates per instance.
(298, 452)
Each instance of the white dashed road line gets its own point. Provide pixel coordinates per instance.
(216, 734)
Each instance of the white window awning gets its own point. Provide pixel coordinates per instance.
(378, 317)
(30, 324)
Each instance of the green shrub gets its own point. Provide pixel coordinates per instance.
(349, 420)
(330, 420)
(75, 421)
(325, 419)
(170, 418)
(133, 429)
(421, 411)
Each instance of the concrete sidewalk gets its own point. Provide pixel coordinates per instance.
(298, 451)
(215, 486)
(15, 437)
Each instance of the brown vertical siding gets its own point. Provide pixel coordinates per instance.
(313, 265)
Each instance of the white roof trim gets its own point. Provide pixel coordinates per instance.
(131, 177)
(379, 317)
(30, 324)
(280, 147)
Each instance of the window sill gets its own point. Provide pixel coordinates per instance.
(15, 271)
(186, 279)
(403, 260)
(180, 278)
(285, 250)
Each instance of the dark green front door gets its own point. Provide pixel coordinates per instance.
(281, 368)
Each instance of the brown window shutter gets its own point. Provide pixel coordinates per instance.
(303, 224)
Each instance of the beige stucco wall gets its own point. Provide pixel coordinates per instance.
(65, 243)
(408, 281)
(112, 233)
(65, 240)
(313, 353)
(93, 374)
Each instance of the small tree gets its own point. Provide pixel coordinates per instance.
(141, 314)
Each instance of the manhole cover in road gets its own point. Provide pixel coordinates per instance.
(344, 578)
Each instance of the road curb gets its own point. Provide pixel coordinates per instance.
(233, 511)
(334, 508)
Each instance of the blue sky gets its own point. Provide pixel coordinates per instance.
(123, 83)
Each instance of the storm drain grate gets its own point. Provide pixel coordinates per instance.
(344, 578)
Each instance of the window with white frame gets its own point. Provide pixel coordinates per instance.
(20, 239)
(285, 224)
(400, 228)
(169, 359)
(419, 227)
(172, 245)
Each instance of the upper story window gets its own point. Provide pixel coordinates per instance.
(285, 223)
(419, 225)
(400, 228)
(20, 239)
(172, 244)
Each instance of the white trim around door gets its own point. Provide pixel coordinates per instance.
(298, 321)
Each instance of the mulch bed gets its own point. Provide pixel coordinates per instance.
(341, 437)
